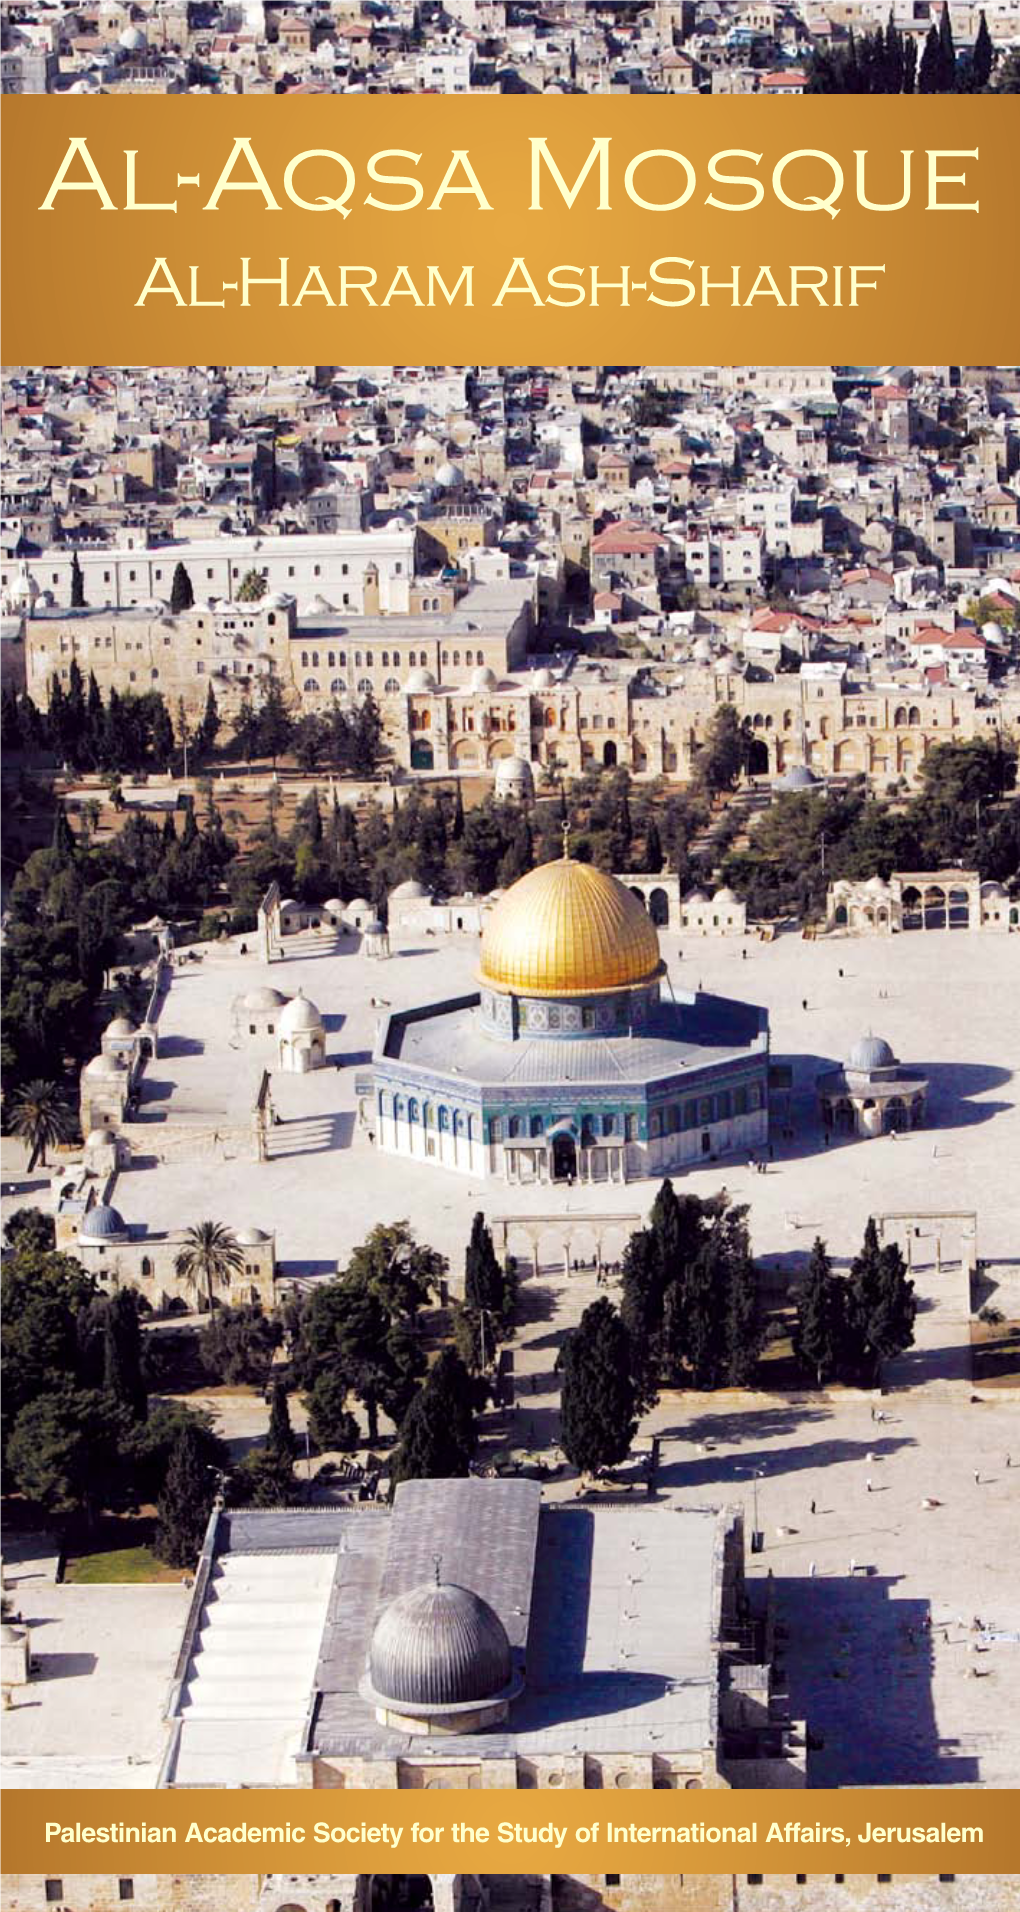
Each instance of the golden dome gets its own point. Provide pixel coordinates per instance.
(567, 929)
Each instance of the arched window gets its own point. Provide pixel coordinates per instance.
(914, 716)
(536, 1125)
(310, 684)
(304, 659)
(550, 719)
(444, 1119)
(315, 659)
(899, 716)
(146, 1268)
(413, 1113)
(391, 687)
(446, 657)
(336, 686)
(343, 658)
(456, 657)
(364, 686)
(430, 1116)
(331, 660)
(357, 659)
(385, 660)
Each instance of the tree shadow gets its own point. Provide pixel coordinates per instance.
(714, 1469)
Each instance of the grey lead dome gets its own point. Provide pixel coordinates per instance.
(439, 1645)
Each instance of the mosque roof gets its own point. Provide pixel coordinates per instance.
(568, 929)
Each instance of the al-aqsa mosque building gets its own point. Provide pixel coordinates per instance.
(576, 1059)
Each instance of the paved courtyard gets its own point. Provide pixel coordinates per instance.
(898, 1683)
(948, 1002)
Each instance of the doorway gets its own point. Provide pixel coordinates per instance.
(564, 1157)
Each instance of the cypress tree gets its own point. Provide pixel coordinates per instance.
(62, 839)
(122, 1353)
(909, 64)
(930, 75)
(280, 1438)
(983, 58)
(654, 857)
(78, 581)
(208, 730)
(743, 1332)
(182, 596)
(947, 52)
(598, 1410)
(883, 1302)
(820, 1338)
(185, 1502)
(484, 1280)
(438, 1436)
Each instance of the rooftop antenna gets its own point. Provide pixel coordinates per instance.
(437, 1561)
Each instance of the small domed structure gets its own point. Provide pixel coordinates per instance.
(483, 678)
(120, 1026)
(870, 1053)
(514, 779)
(797, 778)
(440, 1661)
(302, 1036)
(542, 679)
(448, 476)
(250, 1237)
(103, 1224)
(132, 40)
(410, 891)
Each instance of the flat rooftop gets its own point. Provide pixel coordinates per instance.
(611, 1612)
(93, 1712)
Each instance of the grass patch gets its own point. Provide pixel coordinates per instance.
(118, 1553)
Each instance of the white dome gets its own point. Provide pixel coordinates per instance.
(483, 678)
(701, 651)
(359, 903)
(300, 1015)
(333, 906)
(100, 1139)
(132, 39)
(410, 891)
(289, 904)
(318, 606)
(106, 1066)
(263, 999)
(420, 680)
(876, 885)
(542, 680)
(696, 896)
(725, 895)
(121, 1026)
(448, 475)
(250, 1237)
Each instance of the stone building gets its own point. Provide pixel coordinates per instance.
(919, 899)
(572, 1061)
(526, 1670)
(870, 1094)
(338, 566)
(129, 1255)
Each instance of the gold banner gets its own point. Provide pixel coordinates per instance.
(902, 1831)
(702, 230)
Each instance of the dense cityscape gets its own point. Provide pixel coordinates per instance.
(677, 47)
(511, 899)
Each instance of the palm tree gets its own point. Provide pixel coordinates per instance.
(41, 1115)
(210, 1256)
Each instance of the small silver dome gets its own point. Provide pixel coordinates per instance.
(439, 1645)
(799, 778)
(102, 1223)
(871, 1052)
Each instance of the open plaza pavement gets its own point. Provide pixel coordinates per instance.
(900, 1602)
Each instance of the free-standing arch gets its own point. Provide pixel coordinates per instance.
(658, 907)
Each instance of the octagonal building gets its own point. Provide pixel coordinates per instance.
(575, 1059)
